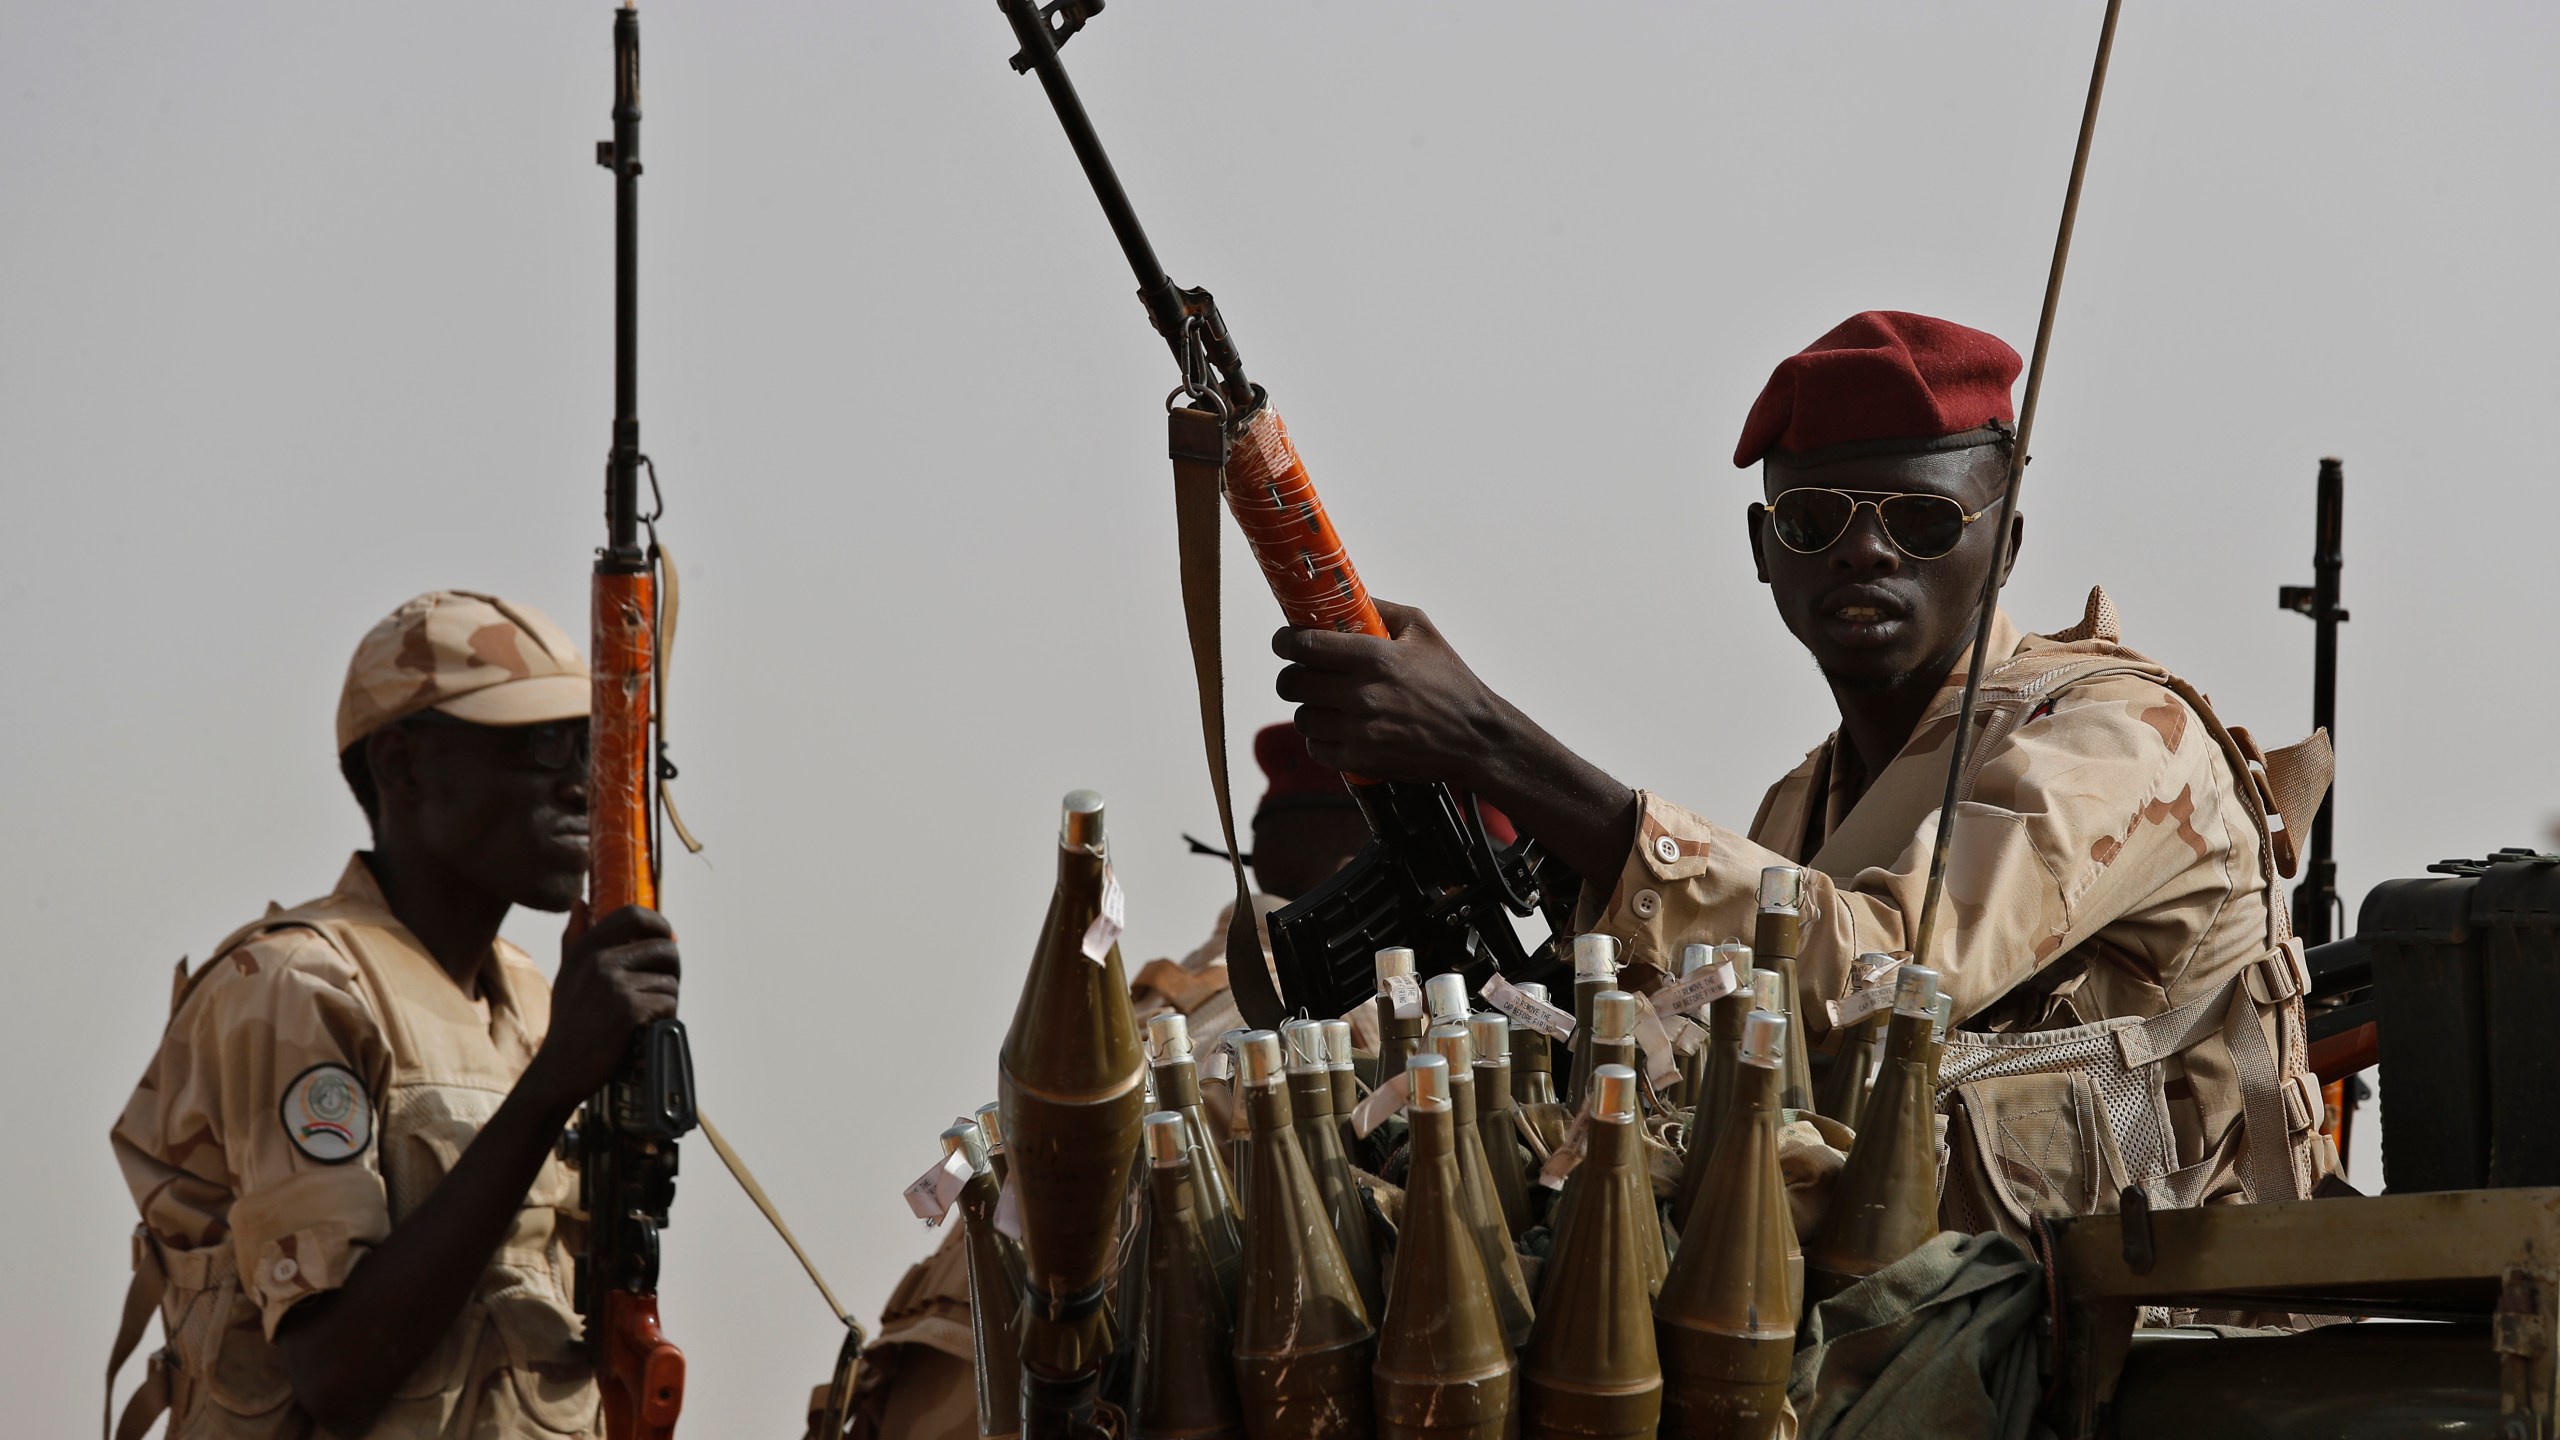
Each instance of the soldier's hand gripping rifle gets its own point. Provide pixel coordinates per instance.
(626, 1136)
(1430, 877)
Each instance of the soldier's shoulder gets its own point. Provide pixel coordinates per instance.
(264, 965)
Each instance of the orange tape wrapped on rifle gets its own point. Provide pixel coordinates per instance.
(1302, 558)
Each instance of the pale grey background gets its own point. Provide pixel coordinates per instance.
(305, 311)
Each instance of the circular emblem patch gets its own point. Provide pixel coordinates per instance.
(327, 1115)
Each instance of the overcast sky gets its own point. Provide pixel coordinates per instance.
(304, 309)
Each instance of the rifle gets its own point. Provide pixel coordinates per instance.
(625, 1138)
(2315, 900)
(1430, 878)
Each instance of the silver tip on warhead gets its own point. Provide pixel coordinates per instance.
(1764, 1038)
(1454, 1044)
(1613, 1016)
(1258, 1055)
(1168, 1037)
(1614, 1093)
(1737, 955)
(1915, 992)
(1445, 996)
(1942, 1012)
(1781, 888)
(1167, 1144)
(964, 1140)
(1694, 957)
(1533, 990)
(1337, 1044)
(1491, 1030)
(991, 1126)
(1080, 826)
(1770, 989)
(1595, 957)
(1306, 1045)
(1394, 960)
(1427, 1081)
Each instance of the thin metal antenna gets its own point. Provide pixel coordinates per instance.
(1961, 758)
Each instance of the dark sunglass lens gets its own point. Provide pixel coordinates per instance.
(554, 747)
(1925, 526)
(1809, 520)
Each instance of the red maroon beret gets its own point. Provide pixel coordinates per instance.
(1882, 376)
(1293, 779)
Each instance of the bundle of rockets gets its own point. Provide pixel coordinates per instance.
(1134, 1272)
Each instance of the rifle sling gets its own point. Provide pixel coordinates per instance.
(1197, 442)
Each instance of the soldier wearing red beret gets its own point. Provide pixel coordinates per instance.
(2115, 853)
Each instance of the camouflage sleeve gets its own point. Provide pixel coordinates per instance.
(285, 1068)
(2075, 818)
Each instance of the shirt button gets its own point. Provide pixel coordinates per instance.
(1666, 849)
(283, 1271)
(1647, 902)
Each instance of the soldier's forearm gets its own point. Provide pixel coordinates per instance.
(1573, 807)
(345, 1353)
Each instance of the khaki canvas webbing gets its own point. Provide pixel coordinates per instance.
(746, 1179)
(1197, 443)
(141, 1301)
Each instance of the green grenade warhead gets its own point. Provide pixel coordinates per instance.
(1610, 1035)
(1346, 1076)
(1843, 1093)
(1533, 1080)
(1483, 1209)
(1595, 968)
(1942, 1016)
(1716, 1075)
(1303, 1343)
(1071, 1081)
(1777, 941)
(1177, 1079)
(1320, 1136)
(1589, 1371)
(1495, 1106)
(995, 1289)
(1884, 1204)
(1239, 1137)
(991, 1128)
(1185, 1387)
(1726, 1318)
(1444, 1368)
(1398, 1035)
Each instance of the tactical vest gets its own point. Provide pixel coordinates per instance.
(2062, 1122)
(511, 1365)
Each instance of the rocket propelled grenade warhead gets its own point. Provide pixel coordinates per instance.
(1444, 1367)
(1725, 1321)
(1072, 1085)
(995, 1289)
(1345, 1072)
(1716, 1072)
(1177, 1082)
(1589, 1371)
(1482, 1207)
(1398, 1035)
(1320, 1136)
(1843, 1095)
(1533, 1081)
(1490, 1032)
(1884, 1203)
(1184, 1387)
(1595, 968)
(1776, 941)
(1445, 996)
(1611, 1039)
(1303, 1342)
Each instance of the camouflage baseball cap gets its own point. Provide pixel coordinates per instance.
(471, 656)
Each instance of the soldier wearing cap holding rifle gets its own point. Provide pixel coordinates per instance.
(2113, 855)
(353, 1216)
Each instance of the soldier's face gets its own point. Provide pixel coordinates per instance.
(1874, 617)
(494, 806)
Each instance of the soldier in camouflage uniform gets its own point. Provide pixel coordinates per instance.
(353, 1218)
(2112, 936)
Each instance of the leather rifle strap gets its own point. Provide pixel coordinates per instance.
(1197, 442)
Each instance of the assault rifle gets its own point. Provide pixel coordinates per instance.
(1430, 878)
(625, 1138)
(2315, 900)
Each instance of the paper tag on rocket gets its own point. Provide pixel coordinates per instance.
(1405, 994)
(1009, 1214)
(1105, 930)
(1568, 1156)
(1876, 995)
(1661, 1062)
(1696, 990)
(1220, 1063)
(1377, 1105)
(1686, 1034)
(1528, 1011)
(934, 1190)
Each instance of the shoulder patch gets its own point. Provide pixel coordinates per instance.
(326, 1114)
